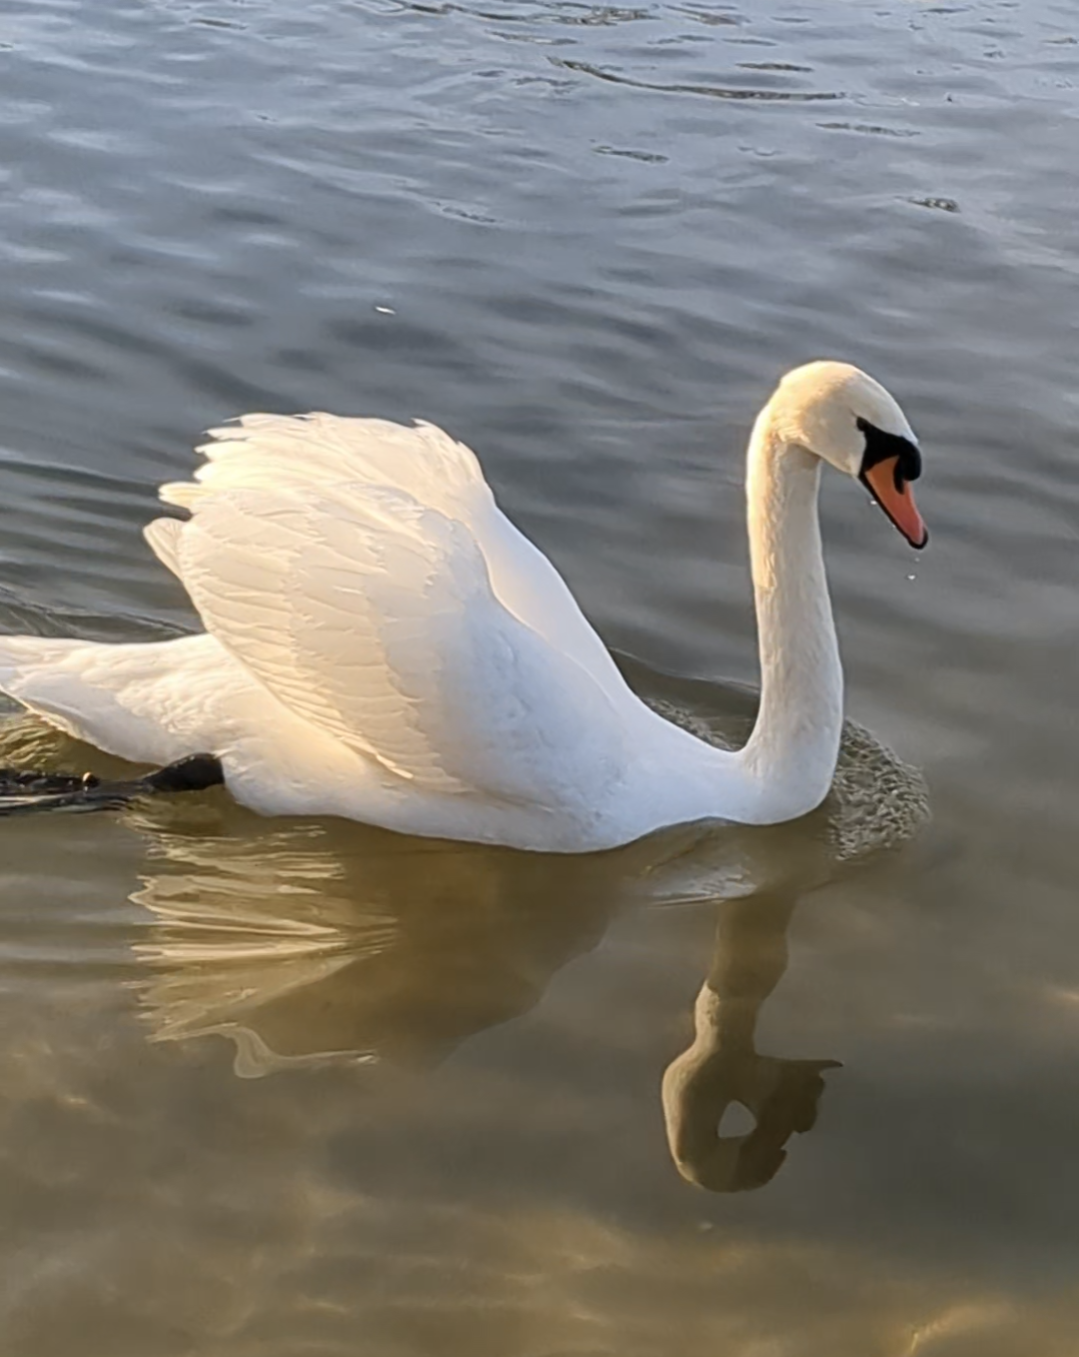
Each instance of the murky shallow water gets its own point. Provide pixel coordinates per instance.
(304, 1088)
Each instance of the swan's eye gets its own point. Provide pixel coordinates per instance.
(880, 446)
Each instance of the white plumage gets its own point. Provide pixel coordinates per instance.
(381, 643)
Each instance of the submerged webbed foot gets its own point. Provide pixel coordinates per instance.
(192, 774)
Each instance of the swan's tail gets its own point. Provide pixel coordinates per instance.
(40, 673)
(140, 702)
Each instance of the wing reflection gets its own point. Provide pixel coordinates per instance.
(322, 942)
(722, 1068)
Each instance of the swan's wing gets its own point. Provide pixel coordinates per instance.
(273, 451)
(279, 453)
(373, 617)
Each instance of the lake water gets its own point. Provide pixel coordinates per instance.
(290, 1089)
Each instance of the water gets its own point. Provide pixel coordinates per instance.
(271, 1089)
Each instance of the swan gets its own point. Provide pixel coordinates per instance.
(382, 644)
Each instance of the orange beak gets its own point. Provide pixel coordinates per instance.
(895, 497)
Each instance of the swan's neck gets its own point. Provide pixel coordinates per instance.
(791, 756)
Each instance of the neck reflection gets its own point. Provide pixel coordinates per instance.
(722, 1068)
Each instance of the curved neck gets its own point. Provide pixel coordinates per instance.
(791, 756)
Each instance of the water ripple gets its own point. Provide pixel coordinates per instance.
(711, 91)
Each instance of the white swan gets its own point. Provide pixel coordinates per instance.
(382, 643)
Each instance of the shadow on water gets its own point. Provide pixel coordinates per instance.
(307, 943)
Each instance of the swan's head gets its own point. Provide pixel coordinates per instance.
(844, 417)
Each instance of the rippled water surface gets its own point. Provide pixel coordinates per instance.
(276, 1089)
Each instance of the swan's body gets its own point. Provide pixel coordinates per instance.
(383, 644)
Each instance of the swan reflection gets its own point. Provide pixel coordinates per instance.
(310, 945)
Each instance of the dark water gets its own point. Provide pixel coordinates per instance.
(287, 1089)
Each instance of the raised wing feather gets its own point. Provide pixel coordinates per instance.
(373, 616)
(280, 453)
(270, 451)
(163, 534)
